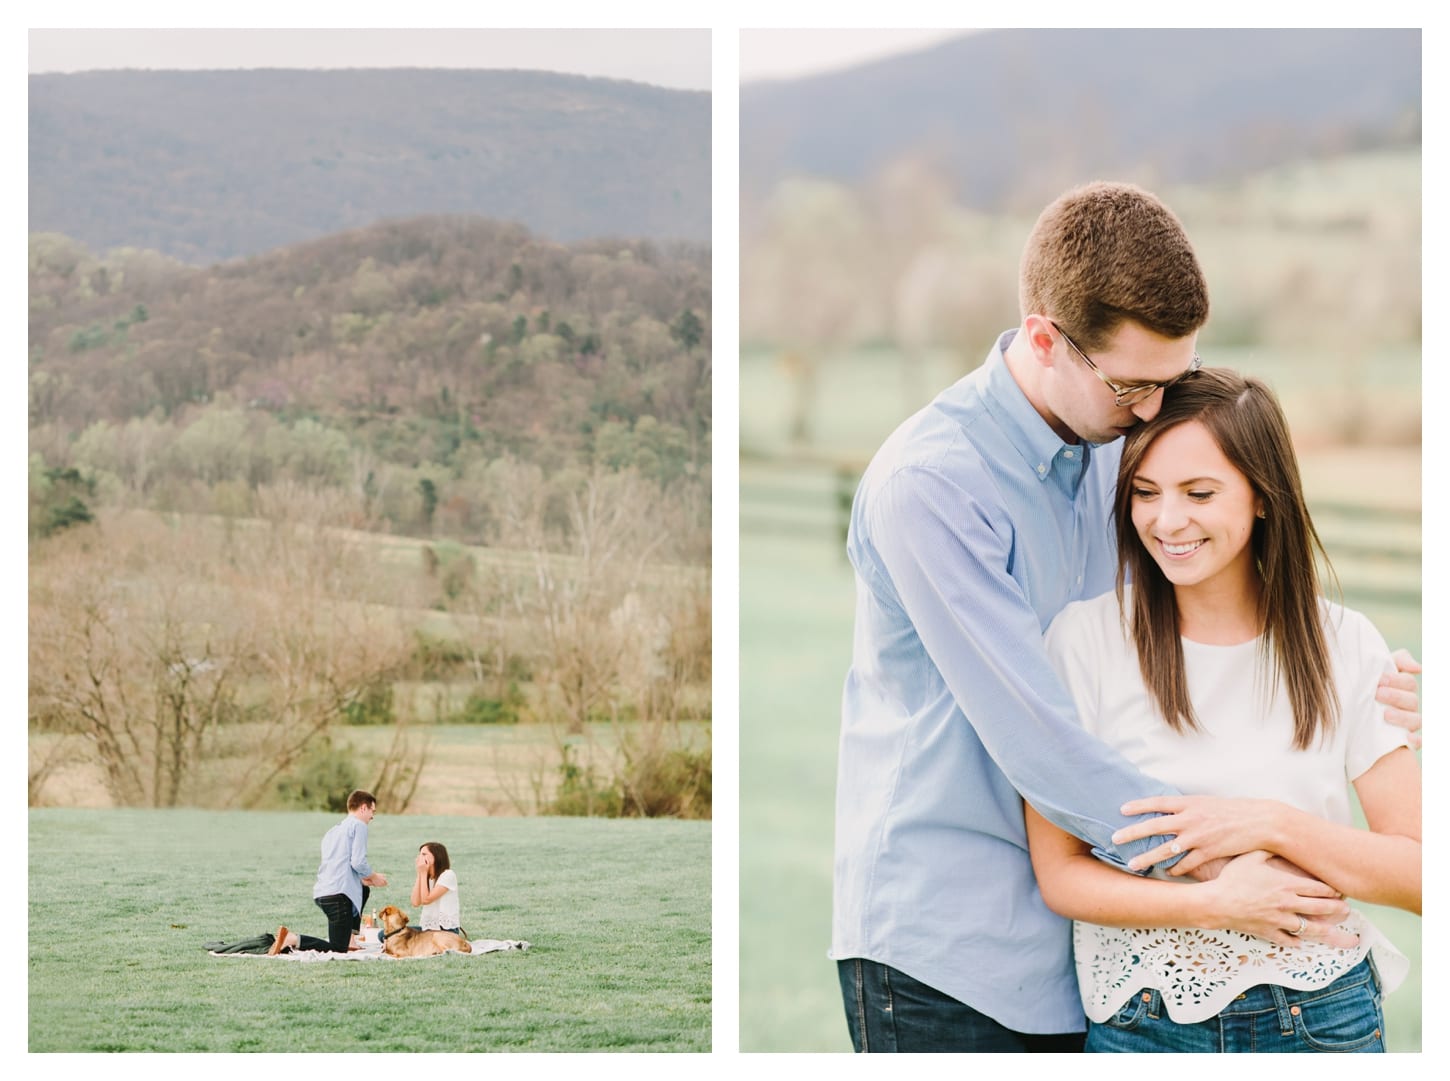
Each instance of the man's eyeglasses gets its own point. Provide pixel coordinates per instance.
(1132, 393)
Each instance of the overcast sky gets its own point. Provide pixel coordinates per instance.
(789, 54)
(679, 59)
(674, 58)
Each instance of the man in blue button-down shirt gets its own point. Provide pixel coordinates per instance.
(344, 875)
(977, 521)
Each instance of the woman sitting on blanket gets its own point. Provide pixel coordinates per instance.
(436, 888)
(1224, 670)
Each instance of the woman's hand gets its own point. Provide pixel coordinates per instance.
(1203, 828)
(424, 860)
(1262, 895)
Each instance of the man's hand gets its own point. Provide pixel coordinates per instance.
(1399, 692)
(1208, 870)
(1265, 896)
(377, 878)
(1203, 829)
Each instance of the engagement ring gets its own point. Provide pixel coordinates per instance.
(1175, 848)
(1303, 923)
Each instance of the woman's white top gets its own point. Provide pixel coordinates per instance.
(442, 914)
(1243, 748)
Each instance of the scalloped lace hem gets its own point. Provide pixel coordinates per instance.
(1200, 972)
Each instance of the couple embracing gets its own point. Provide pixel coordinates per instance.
(1100, 723)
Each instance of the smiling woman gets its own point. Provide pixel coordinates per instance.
(1221, 445)
(1224, 671)
(1194, 513)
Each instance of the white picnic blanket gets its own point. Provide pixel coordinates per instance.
(480, 947)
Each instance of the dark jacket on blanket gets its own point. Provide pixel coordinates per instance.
(263, 943)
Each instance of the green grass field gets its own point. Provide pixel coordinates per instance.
(617, 911)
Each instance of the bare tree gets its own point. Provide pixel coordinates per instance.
(573, 600)
(114, 662)
(197, 664)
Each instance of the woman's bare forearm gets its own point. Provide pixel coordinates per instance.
(1252, 895)
(1383, 869)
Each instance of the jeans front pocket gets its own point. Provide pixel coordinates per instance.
(1347, 1020)
(1130, 1015)
(1140, 1025)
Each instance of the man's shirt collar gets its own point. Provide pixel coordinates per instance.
(1042, 450)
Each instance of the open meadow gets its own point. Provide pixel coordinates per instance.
(184, 660)
(617, 913)
(466, 769)
(505, 769)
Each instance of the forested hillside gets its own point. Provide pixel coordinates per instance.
(407, 366)
(369, 404)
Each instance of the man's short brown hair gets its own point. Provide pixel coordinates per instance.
(1107, 252)
(359, 798)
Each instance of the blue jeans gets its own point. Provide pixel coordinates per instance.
(1347, 1015)
(887, 1010)
(342, 918)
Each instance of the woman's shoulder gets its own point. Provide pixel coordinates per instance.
(1092, 614)
(1350, 629)
(1087, 632)
(449, 879)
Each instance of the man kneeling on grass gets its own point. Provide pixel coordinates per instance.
(343, 881)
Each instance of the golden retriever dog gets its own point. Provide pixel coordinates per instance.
(400, 940)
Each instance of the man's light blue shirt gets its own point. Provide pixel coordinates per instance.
(344, 861)
(971, 529)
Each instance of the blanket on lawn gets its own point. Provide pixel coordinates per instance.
(258, 946)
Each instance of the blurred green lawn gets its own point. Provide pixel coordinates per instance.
(795, 645)
(796, 601)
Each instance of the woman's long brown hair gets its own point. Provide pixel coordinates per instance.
(1244, 418)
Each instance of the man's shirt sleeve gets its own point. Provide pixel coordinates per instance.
(359, 854)
(948, 561)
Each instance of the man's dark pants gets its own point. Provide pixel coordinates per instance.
(887, 1010)
(342, 921)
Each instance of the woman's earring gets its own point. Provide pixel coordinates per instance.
(1260, 514)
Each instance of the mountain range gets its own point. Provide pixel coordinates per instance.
(207, 166)
(989, 109)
